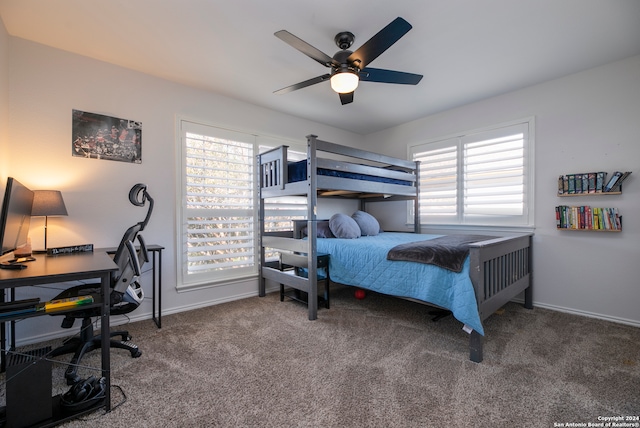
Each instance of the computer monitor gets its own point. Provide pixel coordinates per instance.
(16, 216)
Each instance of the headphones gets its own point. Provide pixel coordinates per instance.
(84, 394)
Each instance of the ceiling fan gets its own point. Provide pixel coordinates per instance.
(348, 68)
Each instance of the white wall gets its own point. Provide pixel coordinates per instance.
(47, 84)
(589, 121)
(4, 101)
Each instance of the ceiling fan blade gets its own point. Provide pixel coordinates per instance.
(303, 84)
(346, 98)
(305, 48)
(389, 76)
(379, 43)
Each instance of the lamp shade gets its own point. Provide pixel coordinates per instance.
(344, 82)
(48, 202)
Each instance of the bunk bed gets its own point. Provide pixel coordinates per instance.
(496, 270)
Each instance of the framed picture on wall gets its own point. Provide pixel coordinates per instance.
(97, 136)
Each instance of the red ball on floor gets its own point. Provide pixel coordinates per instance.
(359, 294)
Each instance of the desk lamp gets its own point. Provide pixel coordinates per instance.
(47, 203)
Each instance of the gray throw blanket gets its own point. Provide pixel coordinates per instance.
(448, 252)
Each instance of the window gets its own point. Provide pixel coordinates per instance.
(480, 178)
(218, 212)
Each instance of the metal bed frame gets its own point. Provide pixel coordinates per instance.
(500, 268)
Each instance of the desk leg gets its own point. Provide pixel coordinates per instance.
(158, 283)
(3, 339)
(3, 352)
(105, 294)
(12, 330)
(8, 343)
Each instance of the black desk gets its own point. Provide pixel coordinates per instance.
(156, 271)
(63, 268)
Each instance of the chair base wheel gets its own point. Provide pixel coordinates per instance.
(79, 346)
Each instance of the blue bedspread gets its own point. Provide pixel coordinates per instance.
(363, 263)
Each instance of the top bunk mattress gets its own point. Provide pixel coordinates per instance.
(298, 172)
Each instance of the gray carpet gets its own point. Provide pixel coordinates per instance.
(377, 362)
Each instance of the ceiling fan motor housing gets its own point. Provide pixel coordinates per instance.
(347, 67)
(344, 40)
(341, 57)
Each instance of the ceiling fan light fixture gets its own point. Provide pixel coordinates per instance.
(344, 82)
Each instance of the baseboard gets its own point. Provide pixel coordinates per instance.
(202, 304)
(617, 320)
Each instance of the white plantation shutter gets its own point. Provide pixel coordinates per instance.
(218, 210)
(218, 214)
(494, 174)
(279, 212)
(438, 179)
(483, 178)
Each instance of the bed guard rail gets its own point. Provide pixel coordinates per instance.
(272, 166)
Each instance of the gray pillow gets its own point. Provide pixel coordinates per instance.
(368, 224)
(323, 229)
(343, 226)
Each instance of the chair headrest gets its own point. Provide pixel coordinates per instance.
(138, 194)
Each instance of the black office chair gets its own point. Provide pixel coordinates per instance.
(126, 294)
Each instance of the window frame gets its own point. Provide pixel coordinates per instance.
(524, 222)
(214, 278)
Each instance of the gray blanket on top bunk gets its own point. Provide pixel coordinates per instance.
(448, 252)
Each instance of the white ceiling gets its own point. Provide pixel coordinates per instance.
(467, 50)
